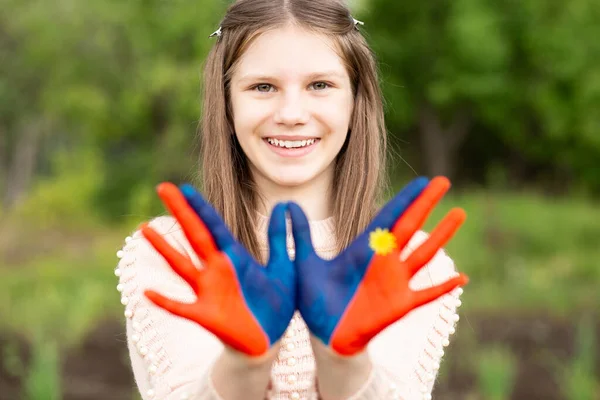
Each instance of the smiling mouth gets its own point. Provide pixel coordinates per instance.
(291, 144)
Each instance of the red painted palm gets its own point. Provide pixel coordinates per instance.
(246, 305)
(348, 300)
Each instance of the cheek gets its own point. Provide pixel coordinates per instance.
(247, 115)
(238, 110)
(337, 114)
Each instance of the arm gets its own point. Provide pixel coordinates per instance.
(407, 355)
(251, 376)
(370, 287)
(173, 358)
(340, 377)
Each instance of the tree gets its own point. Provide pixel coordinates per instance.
(120, 76)
(523, 72)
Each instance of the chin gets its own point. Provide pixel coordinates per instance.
(290, 181)
(291, 177)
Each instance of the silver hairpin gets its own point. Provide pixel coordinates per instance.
(217, 33)
(357, 22)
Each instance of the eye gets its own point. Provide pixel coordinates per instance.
(263, 87)
(320, 85)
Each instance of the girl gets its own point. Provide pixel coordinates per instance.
(292, 111)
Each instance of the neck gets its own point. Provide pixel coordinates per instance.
(313, 196)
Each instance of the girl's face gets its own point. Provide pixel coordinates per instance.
(292, 103)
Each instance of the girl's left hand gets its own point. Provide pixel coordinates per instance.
(347, 301)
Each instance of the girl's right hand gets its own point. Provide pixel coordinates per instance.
(248, 306)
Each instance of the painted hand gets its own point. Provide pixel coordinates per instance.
(348, 300)
(246, 305)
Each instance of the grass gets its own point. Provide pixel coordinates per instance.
(60, 296)
(522, 252)
(497, 370)
(578, 378)
(53, 301)
(43, 379)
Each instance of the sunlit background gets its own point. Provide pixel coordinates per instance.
(99, 102)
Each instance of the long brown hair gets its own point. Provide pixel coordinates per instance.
(359, 179)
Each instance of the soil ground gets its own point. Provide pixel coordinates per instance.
(99, 369)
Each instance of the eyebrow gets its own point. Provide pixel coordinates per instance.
(314, 75)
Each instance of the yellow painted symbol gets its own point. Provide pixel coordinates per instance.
(382, 241)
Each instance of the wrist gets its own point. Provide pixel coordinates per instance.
(326, 354)
(240, 361)
(252, 374)
(339, 376)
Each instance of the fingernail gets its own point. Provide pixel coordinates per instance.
(187, 190)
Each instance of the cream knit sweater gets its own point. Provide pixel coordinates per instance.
(172, 357)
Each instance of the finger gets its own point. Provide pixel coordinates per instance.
(419, 210)
(181, 264)
(390, 213)
(425, 296)
(278, 234)
(301, 232)
(386, 218)
(195, 230)
(438, 238)
(209, 216)
(184, 310)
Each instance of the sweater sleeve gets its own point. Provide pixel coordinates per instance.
(171, 357)
(406, 356)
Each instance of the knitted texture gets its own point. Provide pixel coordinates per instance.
(172, 357)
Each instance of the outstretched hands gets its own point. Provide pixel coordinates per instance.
(248, 306)
(347, 301)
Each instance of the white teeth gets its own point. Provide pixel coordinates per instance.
(290, 144)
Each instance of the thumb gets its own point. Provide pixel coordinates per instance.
(277, 234)
(301, 232)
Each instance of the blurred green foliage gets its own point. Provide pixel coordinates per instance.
(99, 101)
(513, 82)
(578, 377)
(43, 379)
(497, 371)
(519, 247)
(472, 86)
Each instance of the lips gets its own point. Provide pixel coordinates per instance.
(291, 144)
(292, 148)
(291, 137)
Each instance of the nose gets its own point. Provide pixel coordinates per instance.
(292, 110)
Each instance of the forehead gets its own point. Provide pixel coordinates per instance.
(289, 52)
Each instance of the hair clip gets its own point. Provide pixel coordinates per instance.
(357, 22)
(217, 33)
